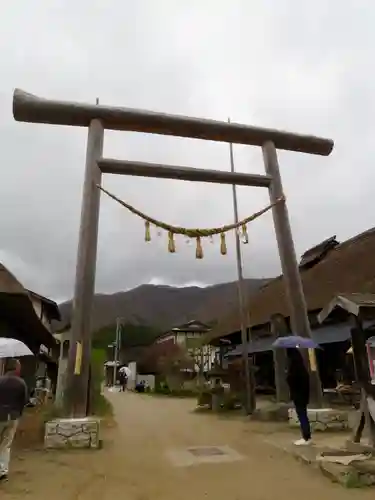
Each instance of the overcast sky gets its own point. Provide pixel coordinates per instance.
(300, 66)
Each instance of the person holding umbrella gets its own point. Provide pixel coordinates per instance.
(299, 388)
(124, 374)
(298, 380)
(123, 380)
(13, 399)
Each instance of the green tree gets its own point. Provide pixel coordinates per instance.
(131, 336)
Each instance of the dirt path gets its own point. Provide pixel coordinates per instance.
(137, 462)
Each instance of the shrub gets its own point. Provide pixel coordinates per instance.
(162, 389)
(98, 404)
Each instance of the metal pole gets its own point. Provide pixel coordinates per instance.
(293, 284)
(119, 338)
(116, 351)
(76, 388)
(250, 402)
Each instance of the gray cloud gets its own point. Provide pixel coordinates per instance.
(277, 63)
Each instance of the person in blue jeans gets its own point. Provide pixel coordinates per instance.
(299, 388)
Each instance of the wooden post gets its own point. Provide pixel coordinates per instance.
(30, 108)
(364, 425)
(76, 390)
(291, 275)
(279, 328)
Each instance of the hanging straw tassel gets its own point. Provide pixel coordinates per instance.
(223, 245)
(147, 231)
(171, 243)
(245, 236)
(199, 250)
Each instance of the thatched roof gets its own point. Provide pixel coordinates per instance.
(16, 308)
(347, 268)
(192, 326)
(9, 283)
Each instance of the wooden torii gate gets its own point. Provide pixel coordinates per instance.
(97, 118)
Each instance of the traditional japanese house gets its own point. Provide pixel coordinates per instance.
(327, 270)
(189, 336)
(27, 316)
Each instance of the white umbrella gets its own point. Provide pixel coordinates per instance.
(12, 348)
(125, 370)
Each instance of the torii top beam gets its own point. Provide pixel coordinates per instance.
(30, 108)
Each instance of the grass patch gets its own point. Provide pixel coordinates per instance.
(354, 479)
(183, 394)
(101, 407)
(30, 431)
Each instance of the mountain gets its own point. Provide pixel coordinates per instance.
(162, 306)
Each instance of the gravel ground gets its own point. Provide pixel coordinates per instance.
(144, 458)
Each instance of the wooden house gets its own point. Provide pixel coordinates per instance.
(189, 336)
(27, 316)
(327, 270)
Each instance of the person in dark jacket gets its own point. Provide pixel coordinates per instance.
(13, 399)
(123, 380)
(299, 388)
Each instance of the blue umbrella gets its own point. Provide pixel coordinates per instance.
(296, 342)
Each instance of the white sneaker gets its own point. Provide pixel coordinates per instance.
(302, 442)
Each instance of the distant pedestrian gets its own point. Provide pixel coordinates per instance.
(123, 380)
(299, 387)
(140, 386)
(13, 399)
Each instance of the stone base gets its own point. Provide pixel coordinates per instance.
(72, 433)
(324, 419)
(353, 472)
(273, 412)
(354, 475)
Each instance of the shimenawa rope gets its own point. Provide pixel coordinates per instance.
(196, 233)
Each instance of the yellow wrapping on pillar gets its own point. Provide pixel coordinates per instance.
(78, 360)
(171, 243)
(199, 250)
(245, 236)
(223, 245)
(312, 360)
(147, 231)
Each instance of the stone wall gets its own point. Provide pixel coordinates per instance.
(72, 433)
(323, 419)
